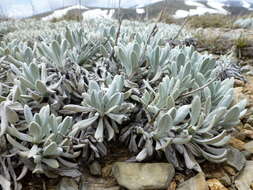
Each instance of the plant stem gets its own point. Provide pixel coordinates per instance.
(200, 88)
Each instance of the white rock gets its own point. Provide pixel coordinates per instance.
(141, 176)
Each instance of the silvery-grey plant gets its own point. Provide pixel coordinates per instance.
(8, 114)
(82, 49)
(244, 23)
(32, 79)
(55, 53)
(184, 114)
(105, 107)
(45, 143)
(157, 59)
(129, 57)
(193, 130)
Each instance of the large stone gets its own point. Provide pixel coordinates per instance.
(141, 176)
(197, 182)
(245, 179)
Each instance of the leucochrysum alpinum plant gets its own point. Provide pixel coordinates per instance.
(65, 97)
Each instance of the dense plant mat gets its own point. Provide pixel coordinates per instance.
(65, 97)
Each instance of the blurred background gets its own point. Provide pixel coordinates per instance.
(176, 8)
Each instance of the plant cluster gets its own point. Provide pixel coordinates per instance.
(30, 29)
(244, 23)
(65, 98)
